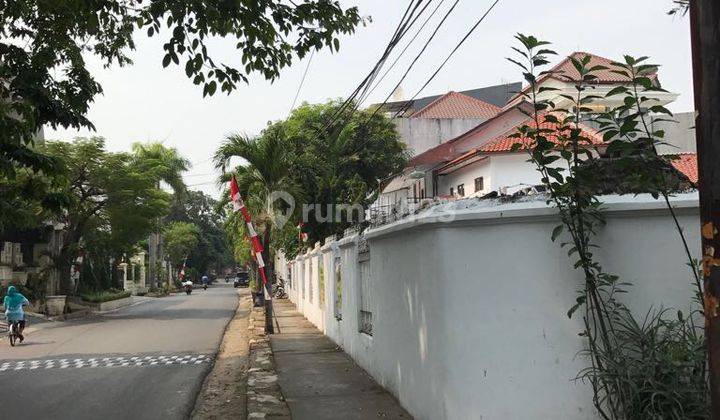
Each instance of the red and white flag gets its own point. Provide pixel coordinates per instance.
(239, 205)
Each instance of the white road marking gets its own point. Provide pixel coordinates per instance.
(95, 362)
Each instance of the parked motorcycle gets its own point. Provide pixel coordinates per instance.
(279, 292)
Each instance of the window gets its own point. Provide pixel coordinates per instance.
(452, 192)
(366, 315)
(461, 190)
(479, 184)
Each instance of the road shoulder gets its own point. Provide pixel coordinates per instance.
(222, 394)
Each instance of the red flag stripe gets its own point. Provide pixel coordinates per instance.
(257, 246)
(239, 205)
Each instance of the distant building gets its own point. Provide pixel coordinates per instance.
(481, 160)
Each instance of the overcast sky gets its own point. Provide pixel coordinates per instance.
(146, 102)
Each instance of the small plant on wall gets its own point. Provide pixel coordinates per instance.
(639, 368)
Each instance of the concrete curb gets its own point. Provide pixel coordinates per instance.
(264, 397)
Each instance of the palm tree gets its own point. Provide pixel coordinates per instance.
(266, 170)
(167, 165)
(164, 162)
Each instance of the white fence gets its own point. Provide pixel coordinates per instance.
(469, 316)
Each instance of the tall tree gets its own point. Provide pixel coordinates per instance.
(267, 171)
(106, 192)
(166, 165)
(181, 239)
(342, 165)
(213, 250)
(44, 45)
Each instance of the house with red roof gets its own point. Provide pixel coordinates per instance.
(428, 122)
(481, 159)
(564, 77)
(445, 117)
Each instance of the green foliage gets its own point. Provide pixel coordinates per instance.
(104, 296)
(162, 163)
(639, 370)
(46, 80)
(339, 165)
(202, 210)
(328, 168)
(28, 198)
(45, 44)
(113, 201)
(181, 238)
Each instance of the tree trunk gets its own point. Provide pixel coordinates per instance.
(269, 329)
(152, 264)
(705, 33)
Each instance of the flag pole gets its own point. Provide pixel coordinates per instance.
(239, 205)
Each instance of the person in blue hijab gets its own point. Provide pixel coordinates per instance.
(14, 302)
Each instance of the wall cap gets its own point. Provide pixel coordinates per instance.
(613, 205)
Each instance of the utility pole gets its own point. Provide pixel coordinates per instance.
(705, 36)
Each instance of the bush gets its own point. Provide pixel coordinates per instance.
(104, 296)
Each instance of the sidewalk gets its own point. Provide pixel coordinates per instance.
(318, 380)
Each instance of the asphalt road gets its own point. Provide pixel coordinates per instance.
(146, 361)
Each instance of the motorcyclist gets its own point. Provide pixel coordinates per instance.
(14, 302)
(205, 281)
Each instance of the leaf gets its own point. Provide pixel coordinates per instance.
(609, 134)
(556, 232)
(517, 63)
(659, 109)
(166, 60)
(580, 301)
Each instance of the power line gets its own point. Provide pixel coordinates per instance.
(406, 29)
(406, 47)
(302, 81)
(417, 57)
(403, 26)
(472, 29)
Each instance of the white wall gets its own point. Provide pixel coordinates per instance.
(679, 136)
(499, 170)
(421, 134)
(512, 169)
(466, 176)
(470, 315)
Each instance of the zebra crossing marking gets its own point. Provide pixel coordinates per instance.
(105, 362)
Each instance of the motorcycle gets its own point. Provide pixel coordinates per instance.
(279, 292)
(204, 286)
(188, 288)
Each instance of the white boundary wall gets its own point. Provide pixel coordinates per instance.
(469, 316)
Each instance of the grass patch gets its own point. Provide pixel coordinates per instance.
(104, 296)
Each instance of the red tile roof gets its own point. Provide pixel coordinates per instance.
(504, 143)
(565, 70)
(688, 165)
(457, 105)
